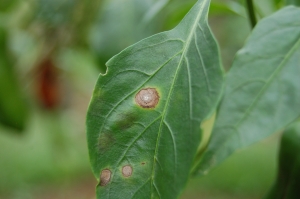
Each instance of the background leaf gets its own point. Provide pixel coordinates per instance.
(262, 91)
(13, 108)
(230, 7)
(6, 5)
(293, 2)
(115, 23)
(141, 152)
(288, 179)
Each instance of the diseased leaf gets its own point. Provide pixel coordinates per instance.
(143, 122)
(262, 91)
(288, 178)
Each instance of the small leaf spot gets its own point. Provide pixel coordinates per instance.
(143, 163)
(105, 177)
(127, 171)
(147, 98)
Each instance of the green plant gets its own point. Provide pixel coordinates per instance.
(143, 122)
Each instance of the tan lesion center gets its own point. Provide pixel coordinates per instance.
(147, 98)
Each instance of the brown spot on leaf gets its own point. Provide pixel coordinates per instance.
(105, 140)
(126, 120)
(127, 171)
(147, 98)
(105, 177)
(143, 163)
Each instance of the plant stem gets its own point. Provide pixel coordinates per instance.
(251, 13)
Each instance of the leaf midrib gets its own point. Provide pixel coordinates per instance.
(188, 41)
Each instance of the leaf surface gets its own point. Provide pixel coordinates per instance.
(147, 152)
(262, 88)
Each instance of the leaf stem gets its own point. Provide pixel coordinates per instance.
(251, 13)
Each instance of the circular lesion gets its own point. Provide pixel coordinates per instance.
(105, 177)
(127, 171)
(147, 98)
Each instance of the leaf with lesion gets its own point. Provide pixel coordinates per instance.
(169, 82)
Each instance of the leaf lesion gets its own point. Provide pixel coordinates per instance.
(123, 156)
(134, 91)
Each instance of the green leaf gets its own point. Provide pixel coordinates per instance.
(293, 2)
(230, 7)
(13, 108)
(6, 5)
(140, 149)
(262, 89)
(288, 178)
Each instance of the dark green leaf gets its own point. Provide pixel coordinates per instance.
(6, 5)
(13, 108)
(262, 91)
(293, 2)
(288, 179)
(277, 2)
(147, 152)
(230, 7)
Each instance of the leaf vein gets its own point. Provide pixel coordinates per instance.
(140, 187)
(174, 148)
(190, 87)
(203, 66)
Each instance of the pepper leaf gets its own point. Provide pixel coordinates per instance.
(143, 122)
(262, 88)
(13, 108)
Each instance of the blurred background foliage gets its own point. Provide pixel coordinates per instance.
(51, 53)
